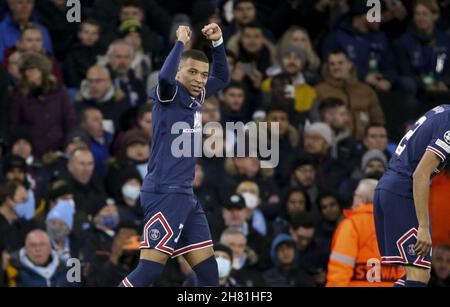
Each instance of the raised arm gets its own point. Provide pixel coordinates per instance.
(220, 75)
(167, 84)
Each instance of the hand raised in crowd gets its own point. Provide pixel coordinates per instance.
(184, 34)
(212, 32)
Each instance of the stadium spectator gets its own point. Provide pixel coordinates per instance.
(355, 243)
(42, 105)
(127, 198)
(304, 176)
(289, 88)
(83, 54)
(91, 120)
(233, 106)
(376, 137)
(331, 216)
(284, 257)
(440, 273)
(224, 258)
(340, 81)
(99, 90)
(20, 13)
(37, 265)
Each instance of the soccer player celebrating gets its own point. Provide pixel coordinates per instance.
(175, 223)
(401, 199)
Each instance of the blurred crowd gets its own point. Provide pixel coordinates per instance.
(76, 131)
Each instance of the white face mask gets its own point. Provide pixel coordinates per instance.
(224, 266)
(131, 191)
(251, 201)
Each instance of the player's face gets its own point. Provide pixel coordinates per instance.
(296, 203)
(330, 209)
(32, 41)
(376, 138)
(193, 75)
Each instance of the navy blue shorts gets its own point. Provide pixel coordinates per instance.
(174, 223)
(396, 226)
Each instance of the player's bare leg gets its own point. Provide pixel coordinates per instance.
(151, 265)
(416, 274)
(204, 265)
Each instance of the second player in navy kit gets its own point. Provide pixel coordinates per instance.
(401, 198)
(175, 223)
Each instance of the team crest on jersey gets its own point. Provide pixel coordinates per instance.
(410, 250)
(154, 234)
(447, 137)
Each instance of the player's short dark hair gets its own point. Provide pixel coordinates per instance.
(8, 190)
(373, 125)
(195, 54)
(234, 84)
(237, 2)
(304, 220)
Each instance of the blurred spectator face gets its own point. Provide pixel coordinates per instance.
(376, 138)
(337, 118)
(237, 242)
(81, 166)
(286, 254)
(33, 77)
(138, 152)
(358, 197)
(248, 166)
(244, 13)
(108, 216)
(74, 145)
(15, 174)
(296, 203)
(93, 123)
(134, 39)
(281, 118)
(303, 236)
(13, 65)
(21, 10)
(315, 144)
(210, 112)
(62, 197)
(329, 207)
(31, 41)
(441, 262)
(89, 34)
(131, 12)
(22, 149)
(130, 191)
(199, 175)
(57, 230)
(424, 19)
(292, 64)
(374, 166)
(234, 98)
(38, 248)
(145, 123)
(121, 58)
(339, 66)
(99, 82)
(300, 39)
(252, 40)
(305, 175)
(234, 217)
(21, 195)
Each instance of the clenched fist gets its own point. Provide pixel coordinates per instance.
(184, 34)
(212, 32)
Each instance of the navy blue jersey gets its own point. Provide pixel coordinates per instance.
(430, 133)
(175, 173)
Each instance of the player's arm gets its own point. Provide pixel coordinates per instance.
(421, 190)
(220, 75)
(167, 85)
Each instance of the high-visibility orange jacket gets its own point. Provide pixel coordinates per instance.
(354, 244)
(440, 210)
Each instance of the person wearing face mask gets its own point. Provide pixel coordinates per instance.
(59, 225)
(13, 229)
(128, 199)
(224, 258)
